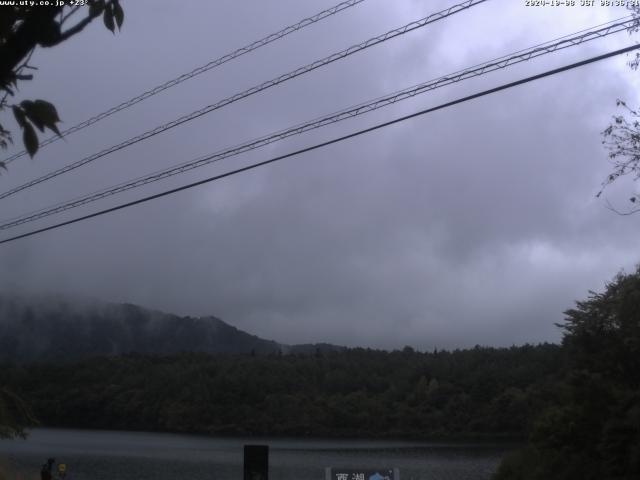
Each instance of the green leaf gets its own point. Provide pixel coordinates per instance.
(42, 114)
(107, 17)
(30, 139)
(118, 13)
(29, 109)
(20, 116)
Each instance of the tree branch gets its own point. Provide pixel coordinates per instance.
(624, 214)
(77, 28)
(71, 12)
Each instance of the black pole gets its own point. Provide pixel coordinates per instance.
(256, 462)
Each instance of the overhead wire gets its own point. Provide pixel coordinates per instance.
(195, 72)
(356, 110)
(251, 91)
(329, 142)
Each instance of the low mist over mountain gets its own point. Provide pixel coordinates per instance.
(57, 328)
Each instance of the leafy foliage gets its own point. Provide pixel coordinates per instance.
(622, 136)
(593, 432)
(37, 113)
(24, 28)
(622, 139)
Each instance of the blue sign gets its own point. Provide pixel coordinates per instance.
(362, 474)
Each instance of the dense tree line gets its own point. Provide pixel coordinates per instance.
(592, 430)
(357, 392)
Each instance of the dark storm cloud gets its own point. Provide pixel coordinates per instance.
(476, 224)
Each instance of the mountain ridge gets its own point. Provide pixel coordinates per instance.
(55, 328)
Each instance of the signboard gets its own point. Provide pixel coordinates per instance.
(362, 474)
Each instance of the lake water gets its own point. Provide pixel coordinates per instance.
(110, 455)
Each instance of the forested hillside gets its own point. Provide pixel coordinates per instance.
(59, 329)
(481, 391)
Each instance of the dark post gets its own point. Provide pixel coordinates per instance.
(256, 462)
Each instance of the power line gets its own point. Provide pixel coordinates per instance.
(263, 86)
(480, 69)
(329, 142)
(197, 71)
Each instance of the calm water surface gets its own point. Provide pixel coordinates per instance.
(108, 455)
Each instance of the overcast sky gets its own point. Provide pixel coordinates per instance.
(472, 225)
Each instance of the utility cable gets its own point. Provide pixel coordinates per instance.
(263, 86)
(196, 71)
(407, 93)
(329, 142)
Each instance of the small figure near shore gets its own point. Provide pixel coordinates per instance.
(45, 471)
(62, 471)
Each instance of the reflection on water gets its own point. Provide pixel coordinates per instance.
(106, 455)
